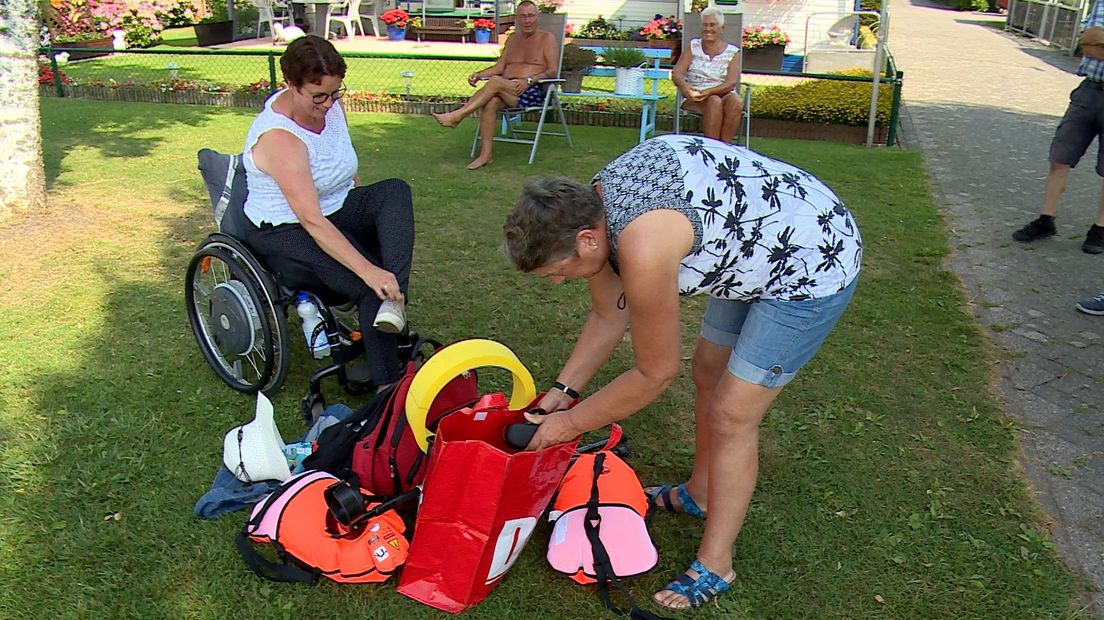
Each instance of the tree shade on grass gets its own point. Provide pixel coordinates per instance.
(888, 485)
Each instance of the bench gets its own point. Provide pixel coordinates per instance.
(450, 26)
(648, 99)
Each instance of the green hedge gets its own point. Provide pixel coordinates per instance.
(822, 101)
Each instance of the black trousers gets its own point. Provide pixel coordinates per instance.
(378, 220)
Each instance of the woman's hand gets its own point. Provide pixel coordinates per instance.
(554, 400)
(473, 79)
(385, 285)
(696, 95)
(555, 428)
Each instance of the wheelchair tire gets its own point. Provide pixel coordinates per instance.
(240, 327)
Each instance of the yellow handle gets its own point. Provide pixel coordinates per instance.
(451, 361)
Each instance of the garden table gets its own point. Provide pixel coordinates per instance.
(316, 22)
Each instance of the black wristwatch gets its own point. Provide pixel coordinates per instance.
(556, 385)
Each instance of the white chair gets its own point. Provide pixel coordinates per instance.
(373, 18)
(733, 33)
(269, 11)
(511, 118)
(346, 13)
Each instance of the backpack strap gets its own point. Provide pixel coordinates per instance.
(266, 569)
(603, 568)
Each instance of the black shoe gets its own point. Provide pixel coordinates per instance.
(1038, 228)
(1094, 240)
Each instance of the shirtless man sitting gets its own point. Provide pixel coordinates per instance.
(530, 55)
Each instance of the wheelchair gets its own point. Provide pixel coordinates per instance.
(238, 303)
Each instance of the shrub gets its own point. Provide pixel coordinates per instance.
(46, 75)
(183, 13)
(823, 101)
(576, 58)
(600, 28)
(971, 5)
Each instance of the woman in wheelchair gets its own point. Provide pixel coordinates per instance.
(709, 79)
(306, 206)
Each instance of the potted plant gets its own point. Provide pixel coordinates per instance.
(548, 6)
(397, 20)
(764, 48)
(629, 76)
(483, 28)
(216, 27)
(574, 65)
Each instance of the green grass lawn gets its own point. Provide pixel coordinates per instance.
(888, 489)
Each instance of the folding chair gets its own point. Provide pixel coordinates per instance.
(511, 118)
(733, 33)
(347, 14)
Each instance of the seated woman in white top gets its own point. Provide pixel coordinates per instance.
(305, 204)
(709, 78)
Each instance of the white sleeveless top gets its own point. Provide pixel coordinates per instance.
(333, 164)
(705, 72)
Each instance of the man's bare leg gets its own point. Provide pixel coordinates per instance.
(488, 119)
(495, 87)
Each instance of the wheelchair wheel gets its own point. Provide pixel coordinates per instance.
(239, 325)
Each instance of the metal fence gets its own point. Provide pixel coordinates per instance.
(376, 82)
(1051, 21)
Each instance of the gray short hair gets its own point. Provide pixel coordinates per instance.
(549, 214)
(712, 11)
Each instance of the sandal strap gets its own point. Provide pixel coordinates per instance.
(664, 493)
(689, 506)
(702, 590)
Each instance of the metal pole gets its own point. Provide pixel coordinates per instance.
(271, 73)
(879, 62)
(895, 109)
(54, 67)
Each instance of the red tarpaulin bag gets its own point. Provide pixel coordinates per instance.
(480, 503)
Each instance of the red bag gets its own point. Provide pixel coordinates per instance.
(480, 503)
(387, 459)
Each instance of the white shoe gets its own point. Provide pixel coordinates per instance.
(391, 319)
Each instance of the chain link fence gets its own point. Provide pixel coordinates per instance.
(421, 85)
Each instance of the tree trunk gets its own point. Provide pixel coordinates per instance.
(22, 180)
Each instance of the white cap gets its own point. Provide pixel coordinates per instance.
(254, 451)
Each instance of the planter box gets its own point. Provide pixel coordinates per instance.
(675, 45)
(106, 44)
(766, 58)
(214, 33)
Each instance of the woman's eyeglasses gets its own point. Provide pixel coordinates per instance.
(321, 98)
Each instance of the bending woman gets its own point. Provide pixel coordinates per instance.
(775, 250)
(709, 79)
(305, 204)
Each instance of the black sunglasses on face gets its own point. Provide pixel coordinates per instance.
(321, 98)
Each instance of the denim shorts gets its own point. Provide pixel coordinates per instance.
(771, 340)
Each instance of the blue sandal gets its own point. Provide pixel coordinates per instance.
(659, 494)
(705, 588)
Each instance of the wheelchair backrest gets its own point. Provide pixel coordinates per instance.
(224, 176)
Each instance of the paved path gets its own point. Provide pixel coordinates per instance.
(982, 105)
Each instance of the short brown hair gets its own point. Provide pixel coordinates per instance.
(309, 59)
(549, 214)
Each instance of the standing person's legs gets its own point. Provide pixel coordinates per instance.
(773, 340)
(1079, 126)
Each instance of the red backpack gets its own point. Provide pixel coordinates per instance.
(387, 459)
